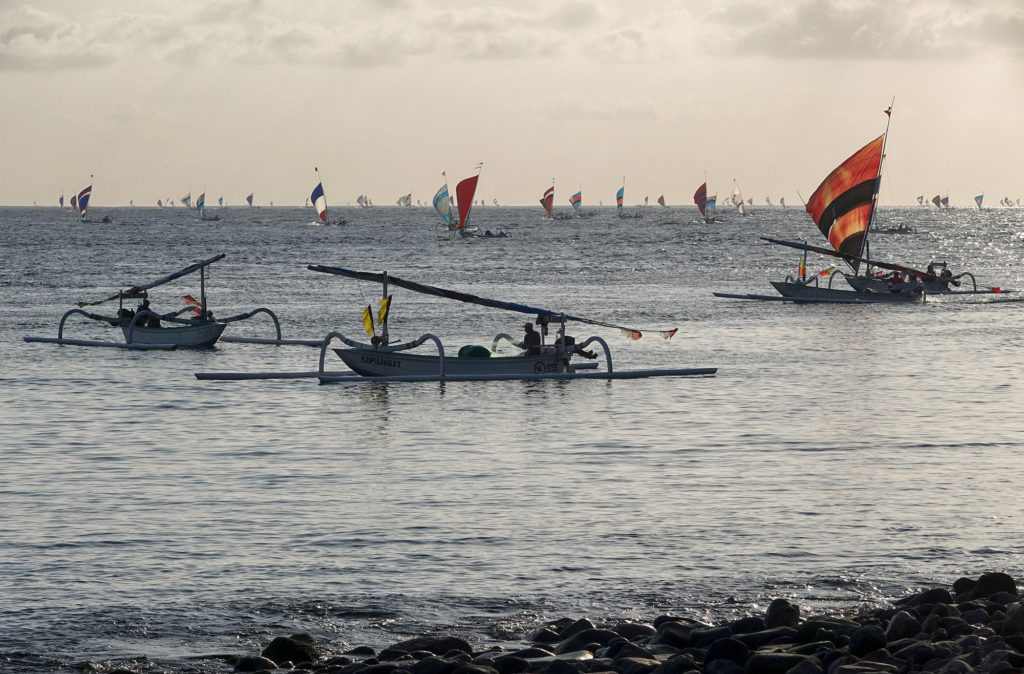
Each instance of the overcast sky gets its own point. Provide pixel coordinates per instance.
(160, 98)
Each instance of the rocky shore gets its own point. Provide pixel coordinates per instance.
(975, 626)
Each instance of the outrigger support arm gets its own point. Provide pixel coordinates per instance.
(250, 314)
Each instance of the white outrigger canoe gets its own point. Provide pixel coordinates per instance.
(383, 360)
(145, 329)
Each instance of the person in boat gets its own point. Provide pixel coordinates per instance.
(150, 321)
(896, 281)
(531, 340)
(946, 278)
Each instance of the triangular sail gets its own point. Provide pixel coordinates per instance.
(978, 199)
(737, 199)
(319, 201)
(61, 201)
(186, 200)
(843, 203)
(201, 204)
(661, 200)
(74, 202)
(700, 197)
(442, 204)
(577, 202)
(83, 200)
(937, 200)
(318, 197)
(249, 199)
(548, 200)
(618, 198)
(464, 194)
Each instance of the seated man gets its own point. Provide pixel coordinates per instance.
(531, 340)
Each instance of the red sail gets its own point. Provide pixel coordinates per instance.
(464, 192)
(548, 199)
(842, 204)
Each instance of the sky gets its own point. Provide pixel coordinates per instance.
(159, 99)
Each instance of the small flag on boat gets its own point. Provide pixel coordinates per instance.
(368, 320)
(802, 268)
(632, 334)
(190, 300)
(826, 272)
(668, 334)
(382, 313)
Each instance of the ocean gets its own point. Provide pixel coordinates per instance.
(842, 455)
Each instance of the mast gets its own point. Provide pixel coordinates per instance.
(878, 183)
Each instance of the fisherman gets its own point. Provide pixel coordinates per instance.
(945, 278)
(531, 340)
(150, 321)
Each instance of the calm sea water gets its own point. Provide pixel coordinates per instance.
(843, 454)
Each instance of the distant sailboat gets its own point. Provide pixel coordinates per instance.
(577, 202)
(249, 199)
(945, 201)
(978, 199)
(74, 202)
(362, 201)
(201, 205)
(705, 204)
(767, 200)
(83, 199)
(319, 200)
(160, 203)
(619, 196)
(61, 200)
(186, 200)
(782, 201)
(937, 201)
(737, 198)
(548, 200)
(220, 201)
(920, 200)
(405, 201)
(661, 200)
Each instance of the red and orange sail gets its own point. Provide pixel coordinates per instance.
(843, 203)
(464, 193)
(548, 199)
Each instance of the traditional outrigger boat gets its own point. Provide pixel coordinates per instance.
(384, 360)
(843, 207)
(143, 328)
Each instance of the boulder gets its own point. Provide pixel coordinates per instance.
(727, 649)
(782, 613)
(290, 649)
(575, 628)
(867, 639)
(588, 636)
(773, 663)
(902, 626)
(434, 644)
(254, 663)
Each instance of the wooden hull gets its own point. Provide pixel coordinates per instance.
(187, 336)
(374, 363)
(812, 293)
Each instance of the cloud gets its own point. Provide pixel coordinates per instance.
(870, 29)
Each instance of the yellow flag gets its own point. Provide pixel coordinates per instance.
(382, 313)
(802, 271)
(368, 321)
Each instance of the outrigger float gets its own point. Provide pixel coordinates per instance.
(843, 207)
(144, 329)
(382, 360)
